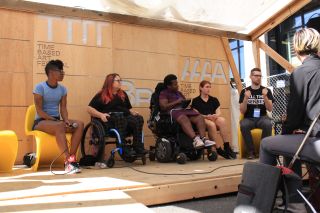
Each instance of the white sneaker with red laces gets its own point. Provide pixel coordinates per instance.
(71, 166)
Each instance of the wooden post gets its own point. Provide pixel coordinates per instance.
(256, 53)
(275, 56)
(234, 70)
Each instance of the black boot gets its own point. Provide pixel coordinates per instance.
(140, 150)
(229, 151)
(222, 153)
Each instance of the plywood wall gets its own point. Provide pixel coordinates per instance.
(91, 50)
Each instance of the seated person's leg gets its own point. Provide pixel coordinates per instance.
(76, 136)
(186, 126)
(120, 123)
(212, 133)
(135, 122)
(246, 125)
(221, 124)
(198, 120)
(265, 124)
(58, 129)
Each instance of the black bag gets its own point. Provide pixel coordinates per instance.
(29, 159)
(259, 186)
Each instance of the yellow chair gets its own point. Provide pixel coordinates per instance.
(8, 151)
(46, 146)
(256, 137)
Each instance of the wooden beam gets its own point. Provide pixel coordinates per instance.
(55, 10)
(275, 56)
(256, 53)
(278, 18)
(234, 70)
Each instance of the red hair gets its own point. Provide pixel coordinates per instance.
(107, 92)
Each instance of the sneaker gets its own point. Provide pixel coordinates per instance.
(229, 151)
(198, 143)
(72, 167)
(222, 153)
(207, 142)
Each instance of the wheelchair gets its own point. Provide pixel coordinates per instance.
(172, 144)
(97, 135)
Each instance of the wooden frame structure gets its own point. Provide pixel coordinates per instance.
(24, 34)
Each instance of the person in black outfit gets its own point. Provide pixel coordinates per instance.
(112, 105)
(302, 108)
(209, 108)
(255, 101)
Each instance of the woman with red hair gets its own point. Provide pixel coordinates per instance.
(112, 100)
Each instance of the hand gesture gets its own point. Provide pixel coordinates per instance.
(247, 94)
(265, 92)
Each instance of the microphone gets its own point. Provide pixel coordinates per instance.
(73, 125)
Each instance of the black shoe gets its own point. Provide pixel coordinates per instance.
(251, 156)
(222, 153)
(140, 151)
(229, 151)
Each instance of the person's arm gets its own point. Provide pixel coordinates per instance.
(63, 110)
(95, 113)
(218, 112)
(295, 108)
(244, 96)
(38, 100)
(267, 102)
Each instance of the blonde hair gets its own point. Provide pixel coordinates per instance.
(306, 41)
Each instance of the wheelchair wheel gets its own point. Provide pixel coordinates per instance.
(212, 155)
(163, 150)
(181, 158)
(110, 162)
(92, 141)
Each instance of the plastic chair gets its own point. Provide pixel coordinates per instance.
(46, 146)
(256, 137)
(8, 151)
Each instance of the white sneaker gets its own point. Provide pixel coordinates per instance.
(207, 142)
(198, 143)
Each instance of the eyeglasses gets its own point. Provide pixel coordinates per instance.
(117, 80)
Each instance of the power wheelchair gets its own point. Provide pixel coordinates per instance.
(97, 135)
(171, 142)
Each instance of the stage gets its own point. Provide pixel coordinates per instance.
(125, 186)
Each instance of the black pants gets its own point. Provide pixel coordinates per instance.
(127, 124)
(287, 146)
(248, 124)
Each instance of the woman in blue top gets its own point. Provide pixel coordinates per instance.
(50, 99)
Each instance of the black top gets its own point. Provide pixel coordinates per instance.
(116, 105)
(304, 100)
(255, 101)
(206, 107)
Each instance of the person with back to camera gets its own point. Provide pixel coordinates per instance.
(303, 106)
(50, 100)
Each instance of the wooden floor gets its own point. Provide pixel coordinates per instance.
(125, 186)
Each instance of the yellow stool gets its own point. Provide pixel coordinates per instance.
(46, 146)
(256, 138)
(8, 151)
